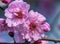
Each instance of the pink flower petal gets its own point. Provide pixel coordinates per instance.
(36, 16)
(2, 24)
(45, 26)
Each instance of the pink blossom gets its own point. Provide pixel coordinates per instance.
(36, 16)
(45, 26)
(16, 13)
(26, 25)
(2, 27)
(6, 1)
(32, 27)
(32, 31)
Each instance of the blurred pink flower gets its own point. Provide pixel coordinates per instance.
(6, 1)
(47, 5)
(16, 13)
(2, 24)
(33, 30)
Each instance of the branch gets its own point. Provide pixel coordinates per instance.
(50, 39)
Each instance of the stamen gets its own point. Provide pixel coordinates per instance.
(32, 26)
(20, 15)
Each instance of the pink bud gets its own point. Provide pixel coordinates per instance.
(6, 1)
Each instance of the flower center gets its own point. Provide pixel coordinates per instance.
(20, 15)
(32, 26)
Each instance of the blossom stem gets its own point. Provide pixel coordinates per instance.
(11, 34)
(14, 40)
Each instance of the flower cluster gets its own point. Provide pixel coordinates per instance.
(29, 25)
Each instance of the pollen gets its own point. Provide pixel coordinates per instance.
(32, 26)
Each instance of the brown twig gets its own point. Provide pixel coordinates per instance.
(50, 39)
(14, 40)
